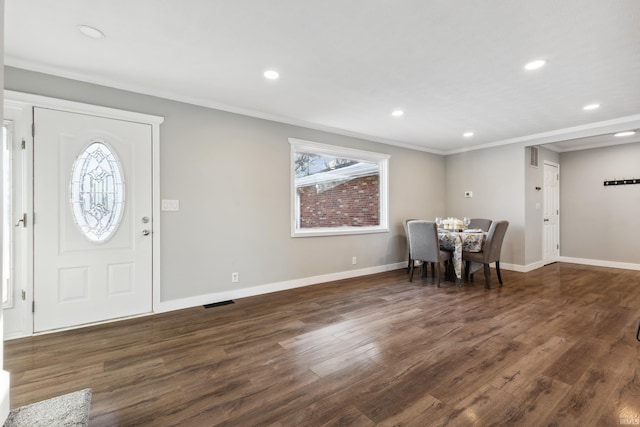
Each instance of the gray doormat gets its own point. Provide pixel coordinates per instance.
(67, 410)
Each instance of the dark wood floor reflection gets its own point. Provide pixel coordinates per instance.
(554, 346)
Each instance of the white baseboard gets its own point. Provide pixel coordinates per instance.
(194, 301)
(16, 335)
(197, 300)
(585, 261)
(271, 287)
(601, 263)
(522, 268)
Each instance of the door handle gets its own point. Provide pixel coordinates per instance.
(145, 232)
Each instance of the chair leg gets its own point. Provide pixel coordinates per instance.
(438, 273)
(433, 270)
(498, 272)
(487, 280)
(411, 267)
(409, 263)
(467, 264)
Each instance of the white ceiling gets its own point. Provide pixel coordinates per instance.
(345, 65)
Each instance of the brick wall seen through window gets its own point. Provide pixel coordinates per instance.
(354, 203)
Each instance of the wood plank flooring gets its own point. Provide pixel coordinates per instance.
(555, 346)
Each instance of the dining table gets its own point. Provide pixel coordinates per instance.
(456, 241)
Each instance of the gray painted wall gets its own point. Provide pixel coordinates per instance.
(598, 222)
(496, 177)
(231, 175)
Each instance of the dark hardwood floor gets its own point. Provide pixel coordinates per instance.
(556, 346)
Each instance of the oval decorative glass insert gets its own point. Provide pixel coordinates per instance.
(97, 192)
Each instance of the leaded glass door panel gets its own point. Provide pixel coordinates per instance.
(93, 210)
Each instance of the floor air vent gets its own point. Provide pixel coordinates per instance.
(218, 304)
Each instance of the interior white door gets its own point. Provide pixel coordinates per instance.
(92, 251)
(551, 213)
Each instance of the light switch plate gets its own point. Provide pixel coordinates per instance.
(171, 205)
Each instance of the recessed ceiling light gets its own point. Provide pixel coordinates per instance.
(467, 134)
(397, 113)
(625, 133)
(534, 65)
(591, 107)
(91, 32)
(271, 74)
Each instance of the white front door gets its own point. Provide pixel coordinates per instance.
(551, 213)
(92, 182)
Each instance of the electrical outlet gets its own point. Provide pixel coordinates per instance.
(234, 277)
(354, 260)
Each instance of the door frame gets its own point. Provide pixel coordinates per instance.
(27, 102)
(19, 314)
(557, 201)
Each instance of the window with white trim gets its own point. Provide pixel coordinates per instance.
(337, 190)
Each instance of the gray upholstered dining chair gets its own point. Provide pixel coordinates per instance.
(481, 223)
(424, 246)
(490, 252)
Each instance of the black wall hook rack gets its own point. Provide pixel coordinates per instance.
(622, 181)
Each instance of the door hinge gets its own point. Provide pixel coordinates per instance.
(557, 246)
(22, 220)
(23, 145)
(33, 129)
(24, 295)
(33, 306)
